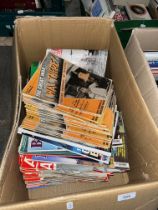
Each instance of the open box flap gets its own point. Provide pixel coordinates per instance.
(142, 40)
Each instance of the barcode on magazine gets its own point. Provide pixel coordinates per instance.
(122, 165)
(116, 141)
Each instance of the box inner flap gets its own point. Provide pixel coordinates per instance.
(140, 67)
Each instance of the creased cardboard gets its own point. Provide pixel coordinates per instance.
(143, 40)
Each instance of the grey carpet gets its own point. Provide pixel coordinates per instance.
(72, 8)
(5, 96)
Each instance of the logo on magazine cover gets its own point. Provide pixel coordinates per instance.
(36, 143)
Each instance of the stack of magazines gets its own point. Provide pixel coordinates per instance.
(72, 130)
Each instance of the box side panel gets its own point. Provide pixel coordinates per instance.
(72, 188)
(133, 197)
(13, 189)
(141, 70)
(141, 129)
(38, 34)
(147, 38)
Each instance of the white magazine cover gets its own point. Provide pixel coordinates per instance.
(93, 61)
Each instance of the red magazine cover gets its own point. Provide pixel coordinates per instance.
(27, 163)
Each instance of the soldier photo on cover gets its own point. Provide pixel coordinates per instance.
(83, 84)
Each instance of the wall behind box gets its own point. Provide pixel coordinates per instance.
(86, 33)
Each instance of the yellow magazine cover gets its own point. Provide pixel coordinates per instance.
(71, 125)
(103, 124)
(105, 144)
(77, 113)
(65, 118)
(108, 119)
(59, 132)
(89, 108)
(86, 131)
(84, 125)
(105, 121)
(31, 87)
(32, 122)
(82, 90)
(60, 109)
(107, 116)
(45, 116)
(45, 83)
(43, 128)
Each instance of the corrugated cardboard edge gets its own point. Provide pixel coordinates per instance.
(150, 95)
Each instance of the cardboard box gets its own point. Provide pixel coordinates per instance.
(135, 190)
(144, 40)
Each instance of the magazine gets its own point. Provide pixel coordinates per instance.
(119, 157)
(81, 149)
(82, 90)
(45, 83)
(67, 131)
(42, 179)
(93, 61)
(61, 159)
(45, 86)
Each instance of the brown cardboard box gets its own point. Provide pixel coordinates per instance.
(136, 190)
(144, 40)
